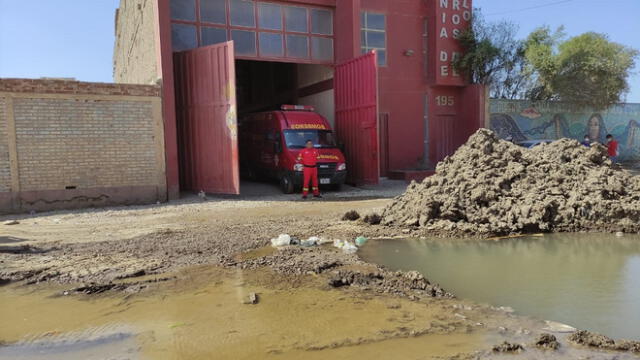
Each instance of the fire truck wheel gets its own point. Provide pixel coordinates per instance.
(286, 184)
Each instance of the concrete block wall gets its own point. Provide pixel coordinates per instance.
(66, 144)
(5, 169)
(135, 56)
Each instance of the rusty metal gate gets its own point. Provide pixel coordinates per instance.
(356, 102)
(207, 119)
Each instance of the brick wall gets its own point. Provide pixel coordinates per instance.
(5, 169)
(134, 56)
(80, 144)
(55, 86)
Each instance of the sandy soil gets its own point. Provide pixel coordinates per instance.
(98, 250)
(103, 245)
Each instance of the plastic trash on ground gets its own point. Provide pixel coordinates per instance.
(361, 240)
(281, 240)
(346, 246)
(349, 248)
(312, 241)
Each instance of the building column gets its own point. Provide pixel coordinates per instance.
(164, 54)
(347, 30)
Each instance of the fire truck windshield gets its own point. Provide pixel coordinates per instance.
(296, 139)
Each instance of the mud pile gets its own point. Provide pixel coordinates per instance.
(491, 186)
(589, 339)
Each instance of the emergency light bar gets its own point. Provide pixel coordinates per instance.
(297, 107)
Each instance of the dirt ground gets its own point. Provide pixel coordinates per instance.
(130, 249)
(103, 245)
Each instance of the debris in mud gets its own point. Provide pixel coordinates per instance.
(21, 249)
(312, 241)
(346, 246)
(11, 222)
(252, 299)
(547, 342)
(92, 289)
(507, 347)
(408, 284)
(131, 287)
(281, 240)
(556, 327)
(372, 219)
(344, 269)
(351, 215)
(590, 339)
(491, 186)
(360, 241)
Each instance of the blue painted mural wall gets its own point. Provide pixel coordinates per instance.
(523, 120)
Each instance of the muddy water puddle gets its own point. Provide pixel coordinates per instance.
(203, 314)
(590, 281)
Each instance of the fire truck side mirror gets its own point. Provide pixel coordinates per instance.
(277, 147)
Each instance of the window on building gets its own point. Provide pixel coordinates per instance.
(263, 29)
(212, 35)
(213, 11)
(322, 48)
(296, 19)
(297, 46)
(183, 37)
(270, 16)
(183, 10)
(271, 44)
(321, 22)
(244, 41)
(373, 35)
(243, 13)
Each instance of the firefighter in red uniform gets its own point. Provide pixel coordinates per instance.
(309, 158)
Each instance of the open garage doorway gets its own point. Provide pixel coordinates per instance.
(215, 91)
(280, 106)
(267, 85)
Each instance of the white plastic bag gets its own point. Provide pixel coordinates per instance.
(281, 240)
(312, 241)
(349, 248)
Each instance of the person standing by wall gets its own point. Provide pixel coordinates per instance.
(309, 158)
(586, 142)
(612, 148)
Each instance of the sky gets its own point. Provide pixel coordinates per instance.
(57, 38)
(74, 38)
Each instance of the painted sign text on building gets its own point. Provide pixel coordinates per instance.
(449, 18)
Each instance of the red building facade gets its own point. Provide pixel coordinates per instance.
(425, 109)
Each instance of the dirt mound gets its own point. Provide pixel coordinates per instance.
(547, 342)
(589, 339)
(399, 283)
(507, 347)
(351, 215)
(491, 186)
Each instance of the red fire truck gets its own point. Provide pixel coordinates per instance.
(269, 144)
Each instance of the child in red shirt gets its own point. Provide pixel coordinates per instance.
(612, 148)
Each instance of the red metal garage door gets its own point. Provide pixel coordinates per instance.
(207, 119)
(356, 101)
